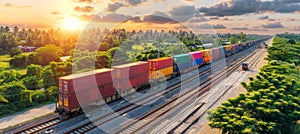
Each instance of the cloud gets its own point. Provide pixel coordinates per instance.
(289, 19)
(84, 9)
(208, 26)
(258, 29)
(205, 26)
(198, 19)
(219, 26)
(239, 28)
(182, 13)
(240, 7)
(214, 18)
(226, 19)
(9, 5)
(263, 17)
(296, 28)
(135, 2)
(157, 19)
(114, 6)
(271, 19)
(55, 13)
(86, 1)
(115, 17)
(273, 25)
(87, 17)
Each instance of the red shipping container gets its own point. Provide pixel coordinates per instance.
(85, 80)
(196, 55)
(103, 76)
(140, 68)
(107, 90)
(159, 63)
(216, 53)
(126, 84)
(130, 70)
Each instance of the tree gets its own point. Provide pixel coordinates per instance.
(48, 53)
(33, 70)
(48, 77)
(31, 82)
(9, 76)
(18, 61)
(14, 51)
(271, 104)
(291, 41)
(103, 60)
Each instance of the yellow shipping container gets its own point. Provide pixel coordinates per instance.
(160, 73)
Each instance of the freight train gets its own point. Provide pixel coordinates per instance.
(108, 85)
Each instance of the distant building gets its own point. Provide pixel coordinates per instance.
(27, 48)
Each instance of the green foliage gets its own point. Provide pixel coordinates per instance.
(18, 60)
(51, 93)
(14, 51)
(9, 76)
(39, 96)
(144, 56)
(103, 60)
(34, 70)
(31, 82)
(48, 76)
(272, 102)
(48, 53)
(284, 51)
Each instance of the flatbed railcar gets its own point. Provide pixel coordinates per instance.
(108, 85)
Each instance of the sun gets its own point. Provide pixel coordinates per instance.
(71, 24)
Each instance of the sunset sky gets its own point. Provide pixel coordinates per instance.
(202, 16)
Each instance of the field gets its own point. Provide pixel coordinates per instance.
(4, 64)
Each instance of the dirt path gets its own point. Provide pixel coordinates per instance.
(26, 116)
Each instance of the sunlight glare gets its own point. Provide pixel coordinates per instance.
(71, 24)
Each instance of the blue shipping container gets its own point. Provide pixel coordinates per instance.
(197, 62)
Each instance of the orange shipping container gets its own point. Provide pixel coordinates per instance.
(207, 55)
(160, 73)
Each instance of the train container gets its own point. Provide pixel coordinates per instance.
(130, 70)
(247, 44)
(158, 74)
(233, 50)
(160, 63)
(183, 67)
(181, 58)
(196, 58)
(216, 53)
(244, 44)
(240, 47)
(129, 83)
(207, 56)
(236, 47)
(197, 62)
(227, 49)
(196, 55)
(86, 80)
(70, 102)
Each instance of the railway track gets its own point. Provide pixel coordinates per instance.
(110, 116)
(138, 124)
(34, 128)
(196, 114)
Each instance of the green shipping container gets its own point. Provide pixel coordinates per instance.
(182, 58)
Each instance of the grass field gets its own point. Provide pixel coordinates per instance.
(4, 64)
